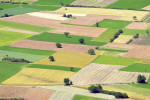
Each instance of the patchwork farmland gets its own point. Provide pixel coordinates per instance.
(57, 49)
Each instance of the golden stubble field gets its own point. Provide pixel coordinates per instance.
(125, 14)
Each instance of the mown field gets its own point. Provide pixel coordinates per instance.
(80, 97)
(146, 86)
(8, 6)
(61, 38)
(129, 4)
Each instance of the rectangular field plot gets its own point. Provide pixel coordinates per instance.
(115, 60)
(123, 39)
(112, 24)
(7, 37)
(106, 36)
(129, 4)
(137, 67)
(138, 25)
(113, 49)
(69, 59)
(8, 69)
(61, 38)
(80, 97)
(33, 76)
(52, 67)
(113, 53)
(104, 74)
(27, 50)
(29, 57)
(8, 6)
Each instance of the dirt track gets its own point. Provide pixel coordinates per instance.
(52, 46)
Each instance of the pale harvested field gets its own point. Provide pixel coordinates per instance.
(147, 7)
(120, 45)
(138, 25)
(90, 19)
(125, 14)
(18, 30)
(123, 39)
(104, 74)
(33, 76)
(69, 59)
(51, 46)
(51, 12)
(38, 94)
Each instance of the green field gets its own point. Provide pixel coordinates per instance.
(61, 38)
(28, 27)
(7, 37)
(146, 86)
(8, 6)
(8, 69)
(80, 97)
(53, 2)
(17, 11)
(29, 51)
(115, 60)
(53, 67)
(129, 4)
(112, 24)
(49, 8)
(106, 36)
(112, 53)
(29, 57)
(137, 67)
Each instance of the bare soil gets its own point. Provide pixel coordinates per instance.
(138, 25)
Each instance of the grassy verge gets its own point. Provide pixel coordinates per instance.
(80, 97)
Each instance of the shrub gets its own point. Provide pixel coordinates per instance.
(99, 86)
(81, 40)
(17, 60)
(66, 33)
(66, 81)
(51, 58)
(111, 40)
(64, 15)
(1, 8)
(71, 83)
(97, 24)
(136, 35)
(6, 15)
(120, 31)
(58, 45)
(91, 52)
(93, 89)
(129, 41)
(141, 79)
(96, 47)
(71, 68)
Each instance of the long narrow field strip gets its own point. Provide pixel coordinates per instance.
(123, 39)
(78, 91)
(7, 37)
(113, 49)
(70, 59)
(119, 45)
(112, 53)
(104, 74)
(17, 11)
(80, 97)
(8, 69)
(28, 27)
(18, 30)
(52, 67)
(27, 50)
(138, 25)
(137, 67)
(52, 46)
(126, 14)
(33, 76)
(8, 6)
(29, 57)
(115, 60)
(60, 95)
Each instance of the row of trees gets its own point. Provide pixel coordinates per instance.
(17, 60)
(116, 35)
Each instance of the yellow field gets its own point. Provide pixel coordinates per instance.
(145, 61)
(70, 59)
(33, 76)
(125, 14)
(123, 39)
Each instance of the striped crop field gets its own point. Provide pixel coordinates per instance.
(104, 74)
(125, 14)
(123, 39)
(33, 76)
(69, 59)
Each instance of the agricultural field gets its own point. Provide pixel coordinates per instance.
(52, 67)
(80, 97)
(123, 39)
(115, 60)
(129, 4)
(112, 24)
(113, 49)
(144, 61)
(8, 6)
(138, 25)
(69, 59)
(33, 76)
(112, 53)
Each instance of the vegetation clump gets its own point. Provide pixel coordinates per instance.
(66, 33)
(136, 35)
(67, 81)
(17, 60)
(141, 79)
(81, 40)
(91, 52)
(51, 58)
(58, 45)
(116, 35)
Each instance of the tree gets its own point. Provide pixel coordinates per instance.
(71, 83)
(134, 17)
(141, 79)
(147, 31)
(6, 15)
(64, 15)
(58, 45)
(71, 68)
(93, 89)
(91, 52)
(120, 31)
(51, 58)
(136, 35)
(66, 33)
(66, 81)
(99, 86)
(81, 40)
(97, 24)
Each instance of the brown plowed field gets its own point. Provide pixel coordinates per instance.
(38, 94)
(120, 45)
(12, 92)
(52, 46)
(138, 25)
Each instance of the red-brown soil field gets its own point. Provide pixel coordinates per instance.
(138, 25)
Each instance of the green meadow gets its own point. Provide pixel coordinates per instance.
(80, 97)
(8, 6)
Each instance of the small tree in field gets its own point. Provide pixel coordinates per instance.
(81, 40)
(147, 31)
(91, 52)
(51, 58)
(66, 81)
(141, 79)
(58, 45)
(99, 86)
(64, 15)
(134, 17)
(97, 24)
(136, 35)
(93, 89)
(71, 68)
(66, 33)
